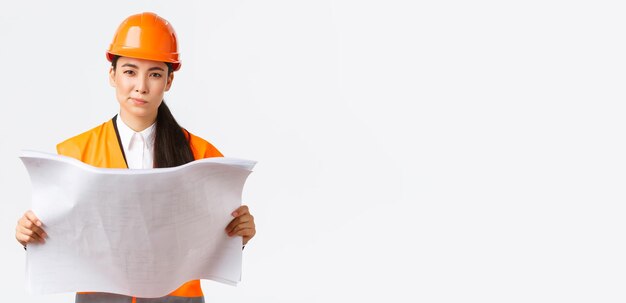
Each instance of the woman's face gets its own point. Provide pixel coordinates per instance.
(139, 86)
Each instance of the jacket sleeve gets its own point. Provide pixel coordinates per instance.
(201, 148)
(70, 149)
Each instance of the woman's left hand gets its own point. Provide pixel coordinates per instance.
(242, 225)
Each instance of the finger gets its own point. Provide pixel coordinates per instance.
(243, 209)
(26, 236)
(239, 227)
(40, 232)
(26, 224)
(23, 239)
(30, 234)
(232, 225)
(239, 220)
(31, 217)
(243, 232)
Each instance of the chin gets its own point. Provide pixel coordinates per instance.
(141, 112)
(146, 114)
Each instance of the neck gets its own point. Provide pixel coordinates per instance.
(137, 124)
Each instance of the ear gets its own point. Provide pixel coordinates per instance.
(170, 79)
(112, 77)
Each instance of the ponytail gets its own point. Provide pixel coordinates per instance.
(171, 145)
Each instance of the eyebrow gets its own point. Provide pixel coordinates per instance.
(135, 66)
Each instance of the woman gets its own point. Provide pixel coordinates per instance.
(143, 56)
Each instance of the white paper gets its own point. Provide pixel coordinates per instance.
(140, 233)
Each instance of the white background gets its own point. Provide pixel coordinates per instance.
(409, 151)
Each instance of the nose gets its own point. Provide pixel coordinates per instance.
(141, 86)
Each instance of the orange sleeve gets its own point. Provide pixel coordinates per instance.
(70, 150)
(201, 148)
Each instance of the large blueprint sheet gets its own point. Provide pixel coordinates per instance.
(134, 232)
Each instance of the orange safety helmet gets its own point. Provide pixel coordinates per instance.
(146, 36)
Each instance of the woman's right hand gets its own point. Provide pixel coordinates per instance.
(29, 229)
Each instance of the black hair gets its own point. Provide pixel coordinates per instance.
(171, 142)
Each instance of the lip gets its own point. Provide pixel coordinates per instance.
(138, 101)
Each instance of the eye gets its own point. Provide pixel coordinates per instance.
(156, 75)
(129, 72)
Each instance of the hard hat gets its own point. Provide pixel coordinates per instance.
(146, 36)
